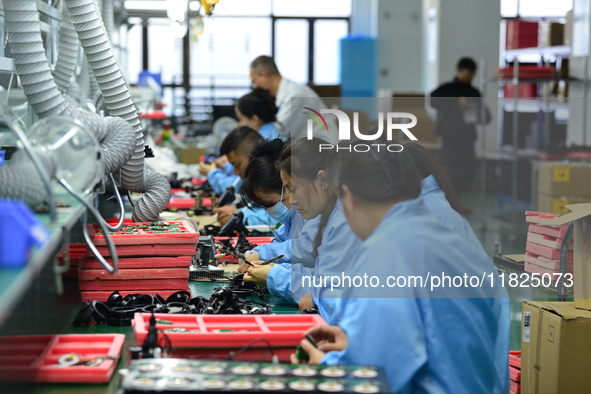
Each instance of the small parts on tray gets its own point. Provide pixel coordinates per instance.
(71, 359)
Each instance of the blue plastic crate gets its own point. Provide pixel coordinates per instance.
(19, 232)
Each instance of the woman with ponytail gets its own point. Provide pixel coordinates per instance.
(303, 171)
(412, 317)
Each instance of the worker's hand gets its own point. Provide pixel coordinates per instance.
(251, 258)
(221, 162)
(258, 274)
(205, 169)
(225, 213)
(315, 355)
(463, 102)
(306, 302)
(328, 338)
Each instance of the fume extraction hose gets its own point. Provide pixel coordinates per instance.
(22, 22)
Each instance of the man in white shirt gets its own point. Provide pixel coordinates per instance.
(265, 75)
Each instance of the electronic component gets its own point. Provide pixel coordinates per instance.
(192, 376)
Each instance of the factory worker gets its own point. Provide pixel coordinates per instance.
(428, 340)
(258, 111)
(263, 187)
(236, 147)
(303, 172)
(288, 95)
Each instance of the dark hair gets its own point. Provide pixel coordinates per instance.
(376, 176)
(265, 64)
(259, 102)
(427, 164)
(303, 159)
(466, 63)
(262, 174)
(240, 141)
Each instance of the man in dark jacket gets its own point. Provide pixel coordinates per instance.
(458, 106)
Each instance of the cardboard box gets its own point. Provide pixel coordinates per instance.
(557, 204)
(581, 216)
(562, 178)
(551, 34)
(191, 155)
(555, 348)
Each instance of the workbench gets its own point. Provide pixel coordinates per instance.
(198, 288)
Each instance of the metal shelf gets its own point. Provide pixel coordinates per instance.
(13, 282)
(562, 51)
(532, 80)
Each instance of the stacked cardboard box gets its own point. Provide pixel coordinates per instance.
(561, 183)
(555, 348)
(153, 258)
(543, 246)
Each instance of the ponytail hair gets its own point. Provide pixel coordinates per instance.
(427, 164)
(378, 176)
(259, 102)
(303, 159)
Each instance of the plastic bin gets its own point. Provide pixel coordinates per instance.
(19, 231)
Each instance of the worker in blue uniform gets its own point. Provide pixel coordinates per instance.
(258, 111)
(236, 147)
(263, 187)
(428, 339)
(303, 172)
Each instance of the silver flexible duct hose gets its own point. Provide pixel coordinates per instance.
(20, 180)
(117, 139)
(108, 18)
(22, 24)
(74, 91)
(94, 86)
(134, 176)
(115, 136)
(22, 21)
(67, 55)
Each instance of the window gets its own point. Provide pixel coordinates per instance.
(312, 8)
(535, 8)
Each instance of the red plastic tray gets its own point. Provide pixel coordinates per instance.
(103, 296)
(279, 330)
(254, 240)
(515, 358)
(148, 250)
(181, 203)
(140, 262)
(545, 251)
(34, 358)
(515, 374)
(547, 240)
(77, 251)
(515, 386)
(142, 237)
(135, 274)
(544, 262)
(140, 285)
(539, 217)
(547, 230)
